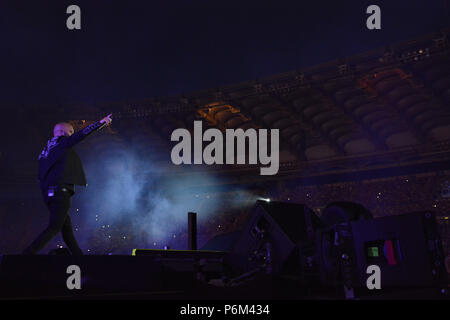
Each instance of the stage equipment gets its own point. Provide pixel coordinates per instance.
(332, 256)
(271, 234)
(222, 242)
(344, 211)
(203, 264)
(192, 231)
(407, 248)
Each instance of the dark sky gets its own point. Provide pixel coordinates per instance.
(128, 50)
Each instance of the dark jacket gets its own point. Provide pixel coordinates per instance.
(59, 164)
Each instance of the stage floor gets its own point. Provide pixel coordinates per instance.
(153, 278)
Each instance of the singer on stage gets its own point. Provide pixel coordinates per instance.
(60, 169)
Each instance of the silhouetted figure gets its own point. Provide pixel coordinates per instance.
(60, 169)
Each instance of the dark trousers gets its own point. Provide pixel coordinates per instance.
(59, 206)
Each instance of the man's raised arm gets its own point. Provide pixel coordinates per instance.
(83, 133)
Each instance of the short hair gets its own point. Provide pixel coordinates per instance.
(56, 127)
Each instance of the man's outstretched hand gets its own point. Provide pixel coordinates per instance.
(107, 119)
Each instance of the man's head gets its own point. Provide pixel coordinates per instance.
(63, 129)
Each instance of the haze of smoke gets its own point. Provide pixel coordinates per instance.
(128, 191)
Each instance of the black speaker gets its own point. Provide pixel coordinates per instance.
(272, 233)
(406, 248)
(344, 211)
(222, 242)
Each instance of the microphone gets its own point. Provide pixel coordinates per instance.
(102, 126)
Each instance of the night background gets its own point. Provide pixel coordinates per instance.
(363, 114)
(129, 50)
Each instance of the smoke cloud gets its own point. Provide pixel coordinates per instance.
(131, 202)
